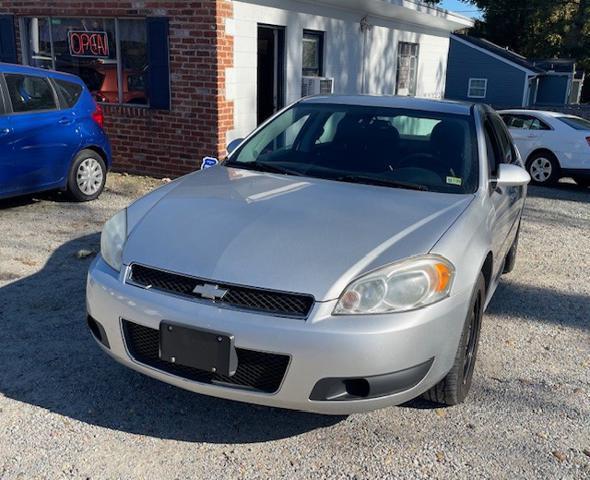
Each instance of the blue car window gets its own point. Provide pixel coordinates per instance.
(69, 91)
(28, 93)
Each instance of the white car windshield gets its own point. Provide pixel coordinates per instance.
(373, 145)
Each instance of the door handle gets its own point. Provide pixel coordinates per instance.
(65, 121)
(4, 132)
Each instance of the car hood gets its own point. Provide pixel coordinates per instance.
(294, 234)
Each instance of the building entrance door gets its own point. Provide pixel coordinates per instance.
(271, 75)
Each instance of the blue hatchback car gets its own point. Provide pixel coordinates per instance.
(51, 135)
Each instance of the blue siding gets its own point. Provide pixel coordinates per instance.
(505, 82)
(552, 89)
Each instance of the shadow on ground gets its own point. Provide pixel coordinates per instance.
(22, 200)
(49, 359)
(569, 192)
(541, 304)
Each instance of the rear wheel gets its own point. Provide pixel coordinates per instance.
(453, 389)
(583, 181)
(87, 176)
(543, 168)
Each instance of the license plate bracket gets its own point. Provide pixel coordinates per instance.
(205, 350)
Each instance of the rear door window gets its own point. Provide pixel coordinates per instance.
(524, 122)
(29, 93)
(70, 92)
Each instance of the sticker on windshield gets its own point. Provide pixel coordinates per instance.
(209, 162)
(455, 181)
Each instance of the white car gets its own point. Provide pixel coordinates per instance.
(553, 145)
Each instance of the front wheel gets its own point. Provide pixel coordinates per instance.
(453, 389)
(543, 168)
(87, 176)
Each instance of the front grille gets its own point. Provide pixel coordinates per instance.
(254, 299)
(258, 371)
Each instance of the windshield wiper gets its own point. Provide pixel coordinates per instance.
(263, 167)
(381, 182)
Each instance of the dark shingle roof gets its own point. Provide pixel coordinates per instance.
(501, 52)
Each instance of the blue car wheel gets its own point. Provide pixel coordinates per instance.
(87, 176)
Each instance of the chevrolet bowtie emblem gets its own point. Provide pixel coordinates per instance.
(210, 292)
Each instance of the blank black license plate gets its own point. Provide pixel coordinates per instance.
(202, 349)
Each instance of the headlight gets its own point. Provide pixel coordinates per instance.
(113, 238)
(399, 287)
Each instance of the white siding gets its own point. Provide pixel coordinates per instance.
(343, 58)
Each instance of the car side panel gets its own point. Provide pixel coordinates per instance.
(41, 143)
(38, 148)
(489, 224)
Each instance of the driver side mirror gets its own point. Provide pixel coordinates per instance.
(511, 176)
(233, 145)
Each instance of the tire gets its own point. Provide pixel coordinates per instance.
(510, 261)
(583, 181)
(89, 165)
(453, 389)
(543, 168)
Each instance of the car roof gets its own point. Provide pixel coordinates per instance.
(545, 113)
(392, 101)
(27, 70)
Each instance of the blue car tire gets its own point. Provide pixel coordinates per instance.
(87, 176)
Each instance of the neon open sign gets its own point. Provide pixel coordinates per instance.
(88, 44)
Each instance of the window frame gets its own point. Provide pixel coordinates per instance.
(470, 87)
(508, 153)
(4, 108)
(321, 47)
(413, 88)
(10, 107)
(543, 124)
(26, 56)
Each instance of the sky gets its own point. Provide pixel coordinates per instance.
(465, 9)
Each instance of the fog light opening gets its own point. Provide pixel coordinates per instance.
(357, 387)
(98, 331)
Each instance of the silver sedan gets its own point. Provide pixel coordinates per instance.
(338, 261)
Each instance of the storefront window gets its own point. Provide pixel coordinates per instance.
(39, 45)
(110, 55)
(134, 61)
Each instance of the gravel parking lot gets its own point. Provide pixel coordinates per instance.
(68, 411)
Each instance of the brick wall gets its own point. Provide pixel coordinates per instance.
(156, 142)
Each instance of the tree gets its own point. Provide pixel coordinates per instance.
(538, 28)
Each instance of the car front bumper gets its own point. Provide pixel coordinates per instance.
(417, 348)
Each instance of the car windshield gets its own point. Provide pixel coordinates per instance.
(387, 147)
(576, 122)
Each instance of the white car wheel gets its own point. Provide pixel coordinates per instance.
(543, 169)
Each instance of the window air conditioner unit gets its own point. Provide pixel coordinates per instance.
(317, 86)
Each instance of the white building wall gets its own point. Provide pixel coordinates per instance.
(343, 56)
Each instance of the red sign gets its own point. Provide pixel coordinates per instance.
(88, 44)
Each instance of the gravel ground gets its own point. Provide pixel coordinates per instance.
(68, 411)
